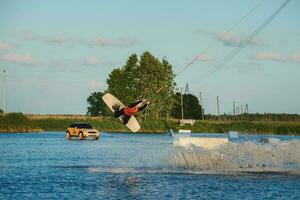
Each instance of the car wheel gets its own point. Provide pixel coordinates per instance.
(81, 136)
(69, 137)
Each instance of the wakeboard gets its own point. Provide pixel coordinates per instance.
(110, 100)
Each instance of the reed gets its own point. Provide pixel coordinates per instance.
(18, 122)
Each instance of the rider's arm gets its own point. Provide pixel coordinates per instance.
(144, 106)
(135, 103)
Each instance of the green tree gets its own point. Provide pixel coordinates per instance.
(156, 76)
(149, 78)
(96, 106)
(122, 81)
(191, 107)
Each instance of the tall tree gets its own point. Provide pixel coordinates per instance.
(191, 107)
(122, 81)
(96, 106)
(149, 78)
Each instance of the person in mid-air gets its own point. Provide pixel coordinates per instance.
(130, 110)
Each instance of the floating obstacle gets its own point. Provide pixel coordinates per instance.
(184, 131)
(204, 142)
(233, 135)
(184, 138)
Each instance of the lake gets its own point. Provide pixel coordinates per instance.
(146, 166)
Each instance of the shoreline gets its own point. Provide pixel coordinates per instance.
(20, 123)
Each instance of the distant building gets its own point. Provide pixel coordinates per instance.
(187, 121)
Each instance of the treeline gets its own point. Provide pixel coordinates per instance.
(256, 117)
(146, 77)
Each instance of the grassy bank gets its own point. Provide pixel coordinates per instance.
(17, 122)
(275, 127)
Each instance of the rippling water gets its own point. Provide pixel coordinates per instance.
(137, 166)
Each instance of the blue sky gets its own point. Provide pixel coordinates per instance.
(58, 52)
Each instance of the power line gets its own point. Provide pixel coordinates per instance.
(216, 41)
(248, 39)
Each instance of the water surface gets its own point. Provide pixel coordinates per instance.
(137, 166)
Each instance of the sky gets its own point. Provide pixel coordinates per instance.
(58, 52)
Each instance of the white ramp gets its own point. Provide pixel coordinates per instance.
(233, 135)
(204, 142)
(184, 131)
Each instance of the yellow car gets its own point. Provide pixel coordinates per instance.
(82, 130)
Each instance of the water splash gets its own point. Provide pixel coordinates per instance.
(243, 157)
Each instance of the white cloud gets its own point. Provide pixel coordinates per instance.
(229, 39)
(295, 57)
(203, 57)
(99, 42)
(56, 39)
(19, 59)
(63, 40)
(94, 84)
(268, 56)
(121, 42)
(27, 35)
(4, 46)
(92, 61)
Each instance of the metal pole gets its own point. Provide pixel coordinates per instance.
(202, 111)
(4, 90)
(218, 106)
(181, 107)
(233, 108)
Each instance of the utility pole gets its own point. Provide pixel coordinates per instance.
(187, 90)
(181, 107)
(233, 108)
(218, 106)
(4, 90)
(201, 102)
(242, 111)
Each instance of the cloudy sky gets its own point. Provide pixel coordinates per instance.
(58, 52)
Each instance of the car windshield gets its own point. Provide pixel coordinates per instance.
(87, 126)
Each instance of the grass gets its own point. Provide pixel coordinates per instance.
(17, 122)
